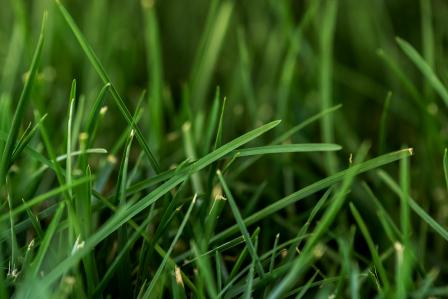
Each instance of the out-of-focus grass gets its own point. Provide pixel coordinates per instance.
(142, 153)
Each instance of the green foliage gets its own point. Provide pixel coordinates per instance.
(266, 161)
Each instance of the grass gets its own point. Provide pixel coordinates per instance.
(223, 149)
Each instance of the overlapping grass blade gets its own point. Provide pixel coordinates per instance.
(302, 262)
(168, 253)
(106, 80)
(443, 232)
(315, 187)
(127, 212)
(241, 225)
(372, 248)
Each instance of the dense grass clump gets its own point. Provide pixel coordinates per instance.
(222, 149)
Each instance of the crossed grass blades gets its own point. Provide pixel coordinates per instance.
(183, 232)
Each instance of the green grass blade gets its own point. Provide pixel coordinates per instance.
(155, 71)
(445, 167)
(127, 212)
(21, 106)
(315, 187)
(383, 124)
(215, 30)
(285, 136)
(25, 139)
(44, 245)
(325, 80)
(168, 253)
(443, 232)
(372, 248)
(241, 225)
(287, 148)
(250, 282)
(302, 262)
(105, 78)
(426, 70)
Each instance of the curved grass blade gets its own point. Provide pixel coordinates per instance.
(106, 80)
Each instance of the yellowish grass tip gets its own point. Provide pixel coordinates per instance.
(178, 274)
(194, 198)
(112, 159)
(83, 136)
(103, 110)
(186, 126)
(147, 3)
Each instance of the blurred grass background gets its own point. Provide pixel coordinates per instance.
(272, 60)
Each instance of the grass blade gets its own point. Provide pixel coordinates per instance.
(105, 78)
(423, 66)
(315, 187)
(443, 232)
(168, 253)
(287, 148)
(241, 225)
(21, 105)
(372, 248)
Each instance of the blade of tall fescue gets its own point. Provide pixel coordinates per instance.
(129, 211)
(106, 80)
(442, 231)
(168, 253)
(304, 260)
(426, 70)
(241, 225)
(372, 248)
(21, 106)
(313, 188)
(155, 71)
(325, 82)
(287, 148)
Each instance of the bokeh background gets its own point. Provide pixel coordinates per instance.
(272, 59)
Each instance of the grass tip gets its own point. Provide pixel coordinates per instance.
(186, 126)
(178, 276)
(147, 3)
(411, 151)
(380, 51)
(398, 247)
(194, 198)
(83, 136)
(112, 159)
(218, 172)
(103, 110)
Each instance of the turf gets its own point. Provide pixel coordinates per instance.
(222, 149)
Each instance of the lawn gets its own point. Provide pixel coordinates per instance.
(223, 149)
